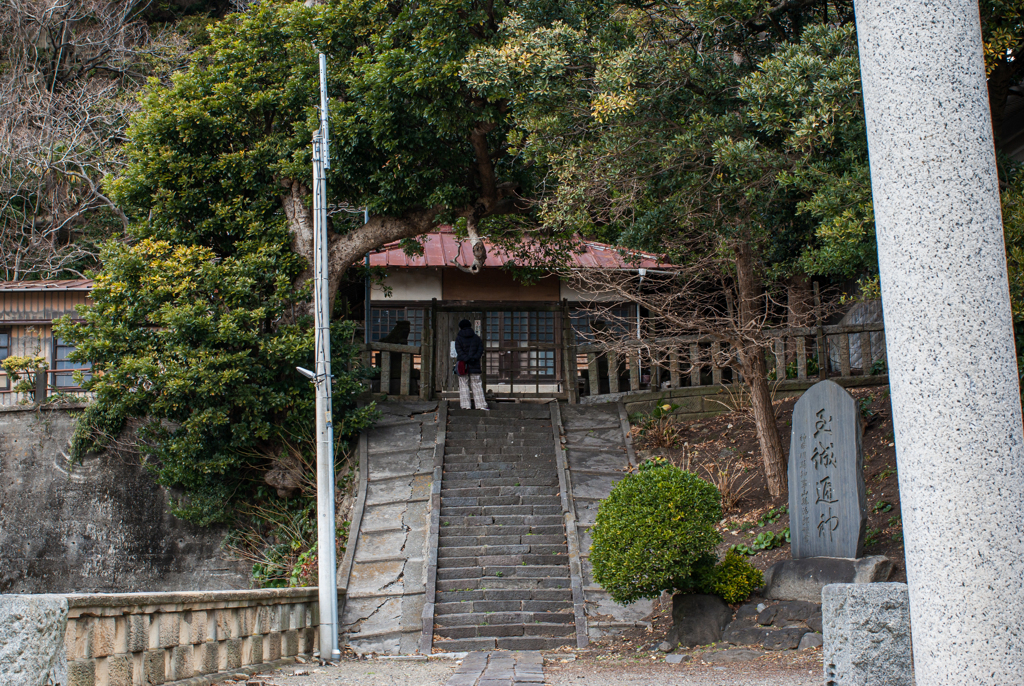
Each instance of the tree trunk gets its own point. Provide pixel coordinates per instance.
(799, 297)
(751, 356)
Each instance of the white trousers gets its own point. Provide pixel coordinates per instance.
(475, 383)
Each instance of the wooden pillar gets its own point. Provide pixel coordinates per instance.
(593, 372)
(780, 359)
(694, 364)
(844, 354)
(716, 373)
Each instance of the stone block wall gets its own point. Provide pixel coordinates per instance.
(139, 639)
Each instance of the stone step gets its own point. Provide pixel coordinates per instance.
(449, 549)
(497, 491)
(457, 469)
(501, 425)
(504, 572)
(449, 528)
(494, 500)
(484, 510)
(487, 561)
(470, 438)
(502, 481)
(498, 441)
(501, 584)
(512, 453)
(549, 594)
(473, 538)
(544, 462)
(495, 618)
(498, 410)
(493, 474)
(500, 630)
(482, 606)
(501, 520)
(463, 645)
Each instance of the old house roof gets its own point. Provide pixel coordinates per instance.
(46, 285)
(442, 248)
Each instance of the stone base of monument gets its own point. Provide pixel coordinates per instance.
(803, 579)
(774, 625)
(867, 635)
(697, 619)
(32, 639)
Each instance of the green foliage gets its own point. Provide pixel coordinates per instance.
(194, 344)
(23, 370)
(656, 429)
(733, 579)
(773, 515)
(652, 531)
(766, 540)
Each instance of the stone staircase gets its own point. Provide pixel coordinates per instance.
(503, 579)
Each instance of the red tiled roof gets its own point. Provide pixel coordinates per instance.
(47, 285)
(441, 247)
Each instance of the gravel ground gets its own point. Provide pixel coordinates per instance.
(585, 672)
(362, 673)
(592, 674)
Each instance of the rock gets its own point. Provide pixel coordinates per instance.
(697, 619)
(804, 579)
(767, 616)
(744, 636)
(783, 639)
(32, 639)
(797, 611)
(665, 647)
(810, 640)
(867, 635)
(814, 623)
(761, 607)
(733, 655)
(748, 611)
(677, 658)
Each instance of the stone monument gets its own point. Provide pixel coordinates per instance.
(827, 498)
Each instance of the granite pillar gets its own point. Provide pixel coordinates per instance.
(866, 631)
(953, 372)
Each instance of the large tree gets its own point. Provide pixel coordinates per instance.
(200, 320)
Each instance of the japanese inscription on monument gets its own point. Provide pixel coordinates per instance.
(827, 499)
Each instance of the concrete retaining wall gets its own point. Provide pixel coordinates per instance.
(101, 526)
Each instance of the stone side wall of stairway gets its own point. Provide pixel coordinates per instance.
(386, 583)
(598, 456)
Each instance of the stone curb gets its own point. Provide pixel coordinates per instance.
(345, 571)
(210, 679)
(427, 632)
(579, 607)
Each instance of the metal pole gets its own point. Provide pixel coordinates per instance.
(366, 287)
(327, 558)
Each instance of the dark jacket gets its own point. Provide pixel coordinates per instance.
(469, 349)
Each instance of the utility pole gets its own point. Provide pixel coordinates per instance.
(328, 563)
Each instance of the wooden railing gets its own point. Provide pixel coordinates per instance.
(674, 362)
(50, 386)
(799, 354)
(408, 365)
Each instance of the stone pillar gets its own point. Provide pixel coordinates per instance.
(866, 635)
(953, 372)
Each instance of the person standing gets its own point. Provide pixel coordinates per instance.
(469, 350)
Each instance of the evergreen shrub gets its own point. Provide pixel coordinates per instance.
(654, 531)
(733, 579)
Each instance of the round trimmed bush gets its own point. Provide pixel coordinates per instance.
(654, 531)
